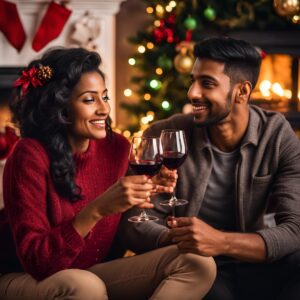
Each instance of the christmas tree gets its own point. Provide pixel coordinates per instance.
(164, 53)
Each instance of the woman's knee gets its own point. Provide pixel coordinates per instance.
(79, 284)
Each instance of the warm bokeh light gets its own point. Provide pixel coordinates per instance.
(156, 23)
(159, 71)
(147, 97)
(169, 8)
(172, 3)
(127, 133)
(141, 49)
(131, 61)
(127, 92)
(149, 10)
(277, 89)
(264, 88)
(165, 104)
(159, 9)
(150, 45)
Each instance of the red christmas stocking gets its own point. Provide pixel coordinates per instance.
(10, 24)
(51, 26)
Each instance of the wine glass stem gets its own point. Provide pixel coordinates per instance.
(173, 201)
(143, 215)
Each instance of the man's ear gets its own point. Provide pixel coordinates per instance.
(244, 90)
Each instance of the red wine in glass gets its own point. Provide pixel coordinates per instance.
(146, 167)
(174, 154)
(145, 159)
(173, 160)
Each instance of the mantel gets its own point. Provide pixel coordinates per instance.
(32, 11)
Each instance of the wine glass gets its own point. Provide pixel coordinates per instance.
(174, 154)
(145, 159)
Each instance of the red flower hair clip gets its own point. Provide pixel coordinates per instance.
(35, 77)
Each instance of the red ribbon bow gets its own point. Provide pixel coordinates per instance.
(28, 77)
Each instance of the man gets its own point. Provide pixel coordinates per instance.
(242, 162)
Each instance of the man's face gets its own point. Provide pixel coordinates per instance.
(210, 93)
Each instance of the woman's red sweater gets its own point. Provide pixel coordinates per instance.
(36, 231)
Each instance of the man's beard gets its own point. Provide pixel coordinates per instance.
(217, 119)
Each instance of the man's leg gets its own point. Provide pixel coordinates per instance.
(224, 285)
(288, 272)
(160, 274)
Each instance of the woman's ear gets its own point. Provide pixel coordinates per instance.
(243, 92)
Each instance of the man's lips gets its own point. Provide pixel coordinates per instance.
(198, 107)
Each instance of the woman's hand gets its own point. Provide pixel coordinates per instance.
(127, 192)
(165, 181)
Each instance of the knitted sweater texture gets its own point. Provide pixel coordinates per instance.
(36, 231)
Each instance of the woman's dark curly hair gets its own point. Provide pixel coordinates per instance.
(42, 112)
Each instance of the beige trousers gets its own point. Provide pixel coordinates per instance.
(162, 274)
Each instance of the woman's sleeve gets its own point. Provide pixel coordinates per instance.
(41, 248)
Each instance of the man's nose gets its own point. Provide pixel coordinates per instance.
(194, 92)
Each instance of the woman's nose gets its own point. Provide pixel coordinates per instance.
(103, 108)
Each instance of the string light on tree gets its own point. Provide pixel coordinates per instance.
(131, 61)
(166, 105)
(147, 96)
(141, 49)
(127, 92)
(155, 84)
(149, 10)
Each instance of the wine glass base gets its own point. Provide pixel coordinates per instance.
(141, 219)
(173, 202)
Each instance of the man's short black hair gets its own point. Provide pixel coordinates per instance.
(242, 60)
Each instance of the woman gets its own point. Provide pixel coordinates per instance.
(64, 194)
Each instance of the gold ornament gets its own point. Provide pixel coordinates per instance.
(184, 61)
(44, 73)
(287, 8)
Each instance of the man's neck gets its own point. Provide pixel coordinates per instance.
(227, 136)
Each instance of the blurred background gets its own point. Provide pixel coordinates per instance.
(147, 49)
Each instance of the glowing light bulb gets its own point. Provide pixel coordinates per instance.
(165, 104)
(159, 71)
(141, 49)
(147, 97)
(131, 61)
(150, 45)
(128, 92)
(149, 10)
(172, 3)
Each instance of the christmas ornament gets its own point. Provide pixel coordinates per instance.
(190, 23)
(184, 61)
(166, 30)
(164, 62)
(210, 14)
(51, 26)
(287, 8)
(86, 30)
(11, 25)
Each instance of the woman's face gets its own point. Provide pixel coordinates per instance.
(88, 111)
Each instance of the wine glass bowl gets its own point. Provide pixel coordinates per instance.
(145, 159)
(174, 154)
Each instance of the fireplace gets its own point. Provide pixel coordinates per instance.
(278, 86)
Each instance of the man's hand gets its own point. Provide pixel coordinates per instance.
(195, 236)
(165, 180)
